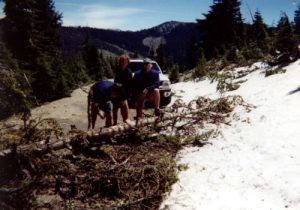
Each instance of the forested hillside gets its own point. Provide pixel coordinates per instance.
(174, 35)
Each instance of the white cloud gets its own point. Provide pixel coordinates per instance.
(100, 16)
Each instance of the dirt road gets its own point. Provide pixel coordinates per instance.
(71, 111)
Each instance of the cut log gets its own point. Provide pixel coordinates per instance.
(44, 147)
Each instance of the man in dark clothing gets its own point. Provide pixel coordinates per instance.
(103, 96)
(146, 83)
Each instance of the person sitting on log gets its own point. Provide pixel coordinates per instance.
(103, 95)
(146, 83)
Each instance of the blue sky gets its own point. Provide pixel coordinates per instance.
(141, 14)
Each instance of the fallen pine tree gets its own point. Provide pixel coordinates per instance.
(80, 170)
(46, 146)
(203, 110)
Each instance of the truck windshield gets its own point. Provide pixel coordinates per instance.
(136, 66)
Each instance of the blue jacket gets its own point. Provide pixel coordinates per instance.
(101, 91)
(142, 80)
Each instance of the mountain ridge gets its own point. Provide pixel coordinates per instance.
(177, 36)
(174, 35)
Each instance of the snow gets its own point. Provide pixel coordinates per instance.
(255, 163)
(190, 90)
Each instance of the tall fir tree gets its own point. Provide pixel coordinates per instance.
(174, 73)
(223, 25)
(47, 22)
(161, 56)
(192, 53)
(31, 32)
(105, 67)
(13, 97)
(285, 39)
(31, 28)
(297, 21)
(90, 55)
(77, 70)
(18, 28)
(259, 32)
(201, 67)
(152, 52)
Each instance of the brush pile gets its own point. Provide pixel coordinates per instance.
(132, 169)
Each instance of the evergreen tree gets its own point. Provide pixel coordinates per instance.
(43, 79)
(90, 55)
(201, 67)
(222, 25)
(98, 66)
(47, 22)
(152, 52)
(31, 28)
(192, 53)
(169, 64)
(234, 21)
(31, 32)
(259, 32)
(13, 97)
(77, 70)
(234, 55)
(113, 63)
(18, 28)
(174, 73)
(108, 71)
(105, 68)
(285, 39)
(62, 84)
(161, 56)
(297, 21)
(136, 54)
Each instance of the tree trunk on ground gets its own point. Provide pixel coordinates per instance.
(44, 146)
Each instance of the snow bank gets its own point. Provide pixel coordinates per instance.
(255, 164)
(187, 91)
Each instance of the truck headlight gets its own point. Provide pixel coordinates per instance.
(167, 94)
(165, 83)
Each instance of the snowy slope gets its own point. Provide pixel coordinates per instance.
(255, 164)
